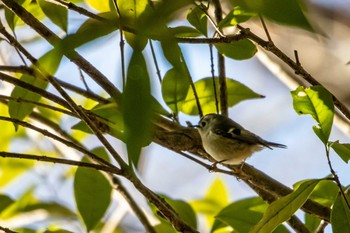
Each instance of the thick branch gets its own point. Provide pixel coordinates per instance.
(179, 138)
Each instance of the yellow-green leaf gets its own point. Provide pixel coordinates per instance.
(236, 93)
(238, 50)
(340, 216)
(283, 208)
(57, 14)
(175, 85)
(92, 192)
(317, 102)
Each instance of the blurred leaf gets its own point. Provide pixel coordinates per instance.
(317, 102)
(26, 199)
(172, 52)
(185, 211)
(5, 201)
(175, 85)
(164, 227)
(340, 215)
(236, 92)
(49, 63)
(241, 215)
(137, 107)
(57, 14)
(238, 50)
(154, 20)
(130, 12)
(57, 231)
(289, 12)
(30, 6)
(7, 135)
(12, 168)
(101, 152)
(137, 42)
(100, 5)
(198, 19)
(282, 209)
(235, 16)
(92, 192)
(90, 30)
(215, 199)
(184, 31)
(109, 119)
(342, 149)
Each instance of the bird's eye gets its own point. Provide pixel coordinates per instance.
(203, 123)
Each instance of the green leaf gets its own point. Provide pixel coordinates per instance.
(57, 14)
(5, 201)
(183, 31)
(130, 12)
(164, 227)
(92, 193)
(198, 19)
(238, 50)
(172, 52)
(312, 222)
(204, 87)
(175, 85)
(185, 211)
(109, 118)
(235, 16)
(137, 107)
(242, 215)
(317, 102)
(31, 6)
(325, 193)
(342, 149)
(283, 208)
(101, 5)
(340, 216)
(90, 30)
(49, 63)
(289, 12)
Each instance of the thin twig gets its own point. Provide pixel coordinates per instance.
(59, 139)
(69, 86)
(20, 100)
(43, 158)
(6, 230)
(213, 77)
(221, 66)
(193, 87)
(265, 29)
(121, 43)
(134, 206)
(34, 89)
(335, 176)
(55, 41)
(155, 61)
(78, 9)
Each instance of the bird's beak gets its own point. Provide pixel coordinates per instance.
(195, 126)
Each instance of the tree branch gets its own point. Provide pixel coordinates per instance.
(55, 41)
(43, 158)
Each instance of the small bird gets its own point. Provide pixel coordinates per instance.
(227, 141)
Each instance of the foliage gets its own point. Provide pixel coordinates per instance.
(143, 109)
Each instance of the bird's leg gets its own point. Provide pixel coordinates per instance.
(213, 167)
